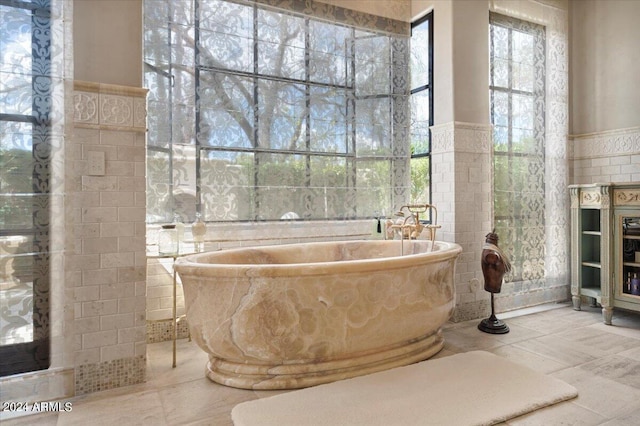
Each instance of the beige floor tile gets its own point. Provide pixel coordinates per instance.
(615, 367)
(143, 408)
(564, 413)
(557, 349)
(200, 400)
(625, 330)
(469, 338)
(191, 363)
(532, 360)
(632, 419)
(606, 397)
(633, 354)
(598, 342)
(31, 419)
(602, 362)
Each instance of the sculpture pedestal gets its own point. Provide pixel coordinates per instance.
(492, 324)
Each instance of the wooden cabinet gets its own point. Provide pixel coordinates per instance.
(605, 241)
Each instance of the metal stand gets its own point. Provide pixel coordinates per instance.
(492, 324)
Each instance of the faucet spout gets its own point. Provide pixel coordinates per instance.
(411, 227)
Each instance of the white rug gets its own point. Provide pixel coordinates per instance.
(473, 388)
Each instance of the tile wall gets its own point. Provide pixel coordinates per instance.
(462, 189)
(612, 156)
(106, 193)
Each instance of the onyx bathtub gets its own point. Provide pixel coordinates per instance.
(297, 315)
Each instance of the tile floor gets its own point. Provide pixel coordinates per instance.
(602, 362)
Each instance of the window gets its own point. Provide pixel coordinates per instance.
(257, 113)
(517, 90)
(421, 107)
(25, 152)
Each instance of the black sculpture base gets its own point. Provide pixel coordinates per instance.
(493, 325)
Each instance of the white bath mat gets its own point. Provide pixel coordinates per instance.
(473, 388)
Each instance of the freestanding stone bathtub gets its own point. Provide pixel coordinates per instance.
(297, 315)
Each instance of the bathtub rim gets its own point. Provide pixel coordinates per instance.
(190, 264)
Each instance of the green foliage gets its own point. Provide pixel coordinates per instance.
(16, 168)
(420, 179)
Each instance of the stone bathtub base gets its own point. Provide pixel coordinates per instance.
(301, 375)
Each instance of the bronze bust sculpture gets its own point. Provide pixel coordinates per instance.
(495, 264)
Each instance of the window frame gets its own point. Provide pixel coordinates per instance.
(427, 19)
(538, 95)
(34, 355)
(351, 157)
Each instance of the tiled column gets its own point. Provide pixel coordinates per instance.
(108, 260)
(462, 191)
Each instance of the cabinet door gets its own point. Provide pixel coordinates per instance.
(627, 258)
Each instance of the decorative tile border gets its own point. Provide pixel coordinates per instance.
(334, 13)
(626, 197)
(111, 374)
(462, 137)
(106, 106)
(605, 144)
(162, 330)
(109, 313)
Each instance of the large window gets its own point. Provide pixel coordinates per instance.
(421, 107)
(517, 89)
(257, 113)
(25, 131)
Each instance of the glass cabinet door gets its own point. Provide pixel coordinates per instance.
(628, 257)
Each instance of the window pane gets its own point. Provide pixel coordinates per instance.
(420, 180)
(329, 55)
(329, 192)
(25, 169)
(17, 261)
(420, 55)
(227, 186)
(328, 117)
(518, 121)
(523, 138)
(523, 57)
(158, 109)
(184, 182)
(184, 54)
(158, 186)
(226, 35)
(282, 112)
(280, 45)
(373, 133)
(304, 91)
(500, 56)
(16, 176)
(500, 108)
(420, 122)
(373, 179)
(281, 183)
(372, 63)
(15, 61)
(157, 49)
(226, 111)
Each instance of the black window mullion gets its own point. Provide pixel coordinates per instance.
(307, 99)
(428, 88)
(259, 148)
(198, 115)
(35, 354)
(256, 115)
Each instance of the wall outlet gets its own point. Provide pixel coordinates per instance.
(96, 163)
